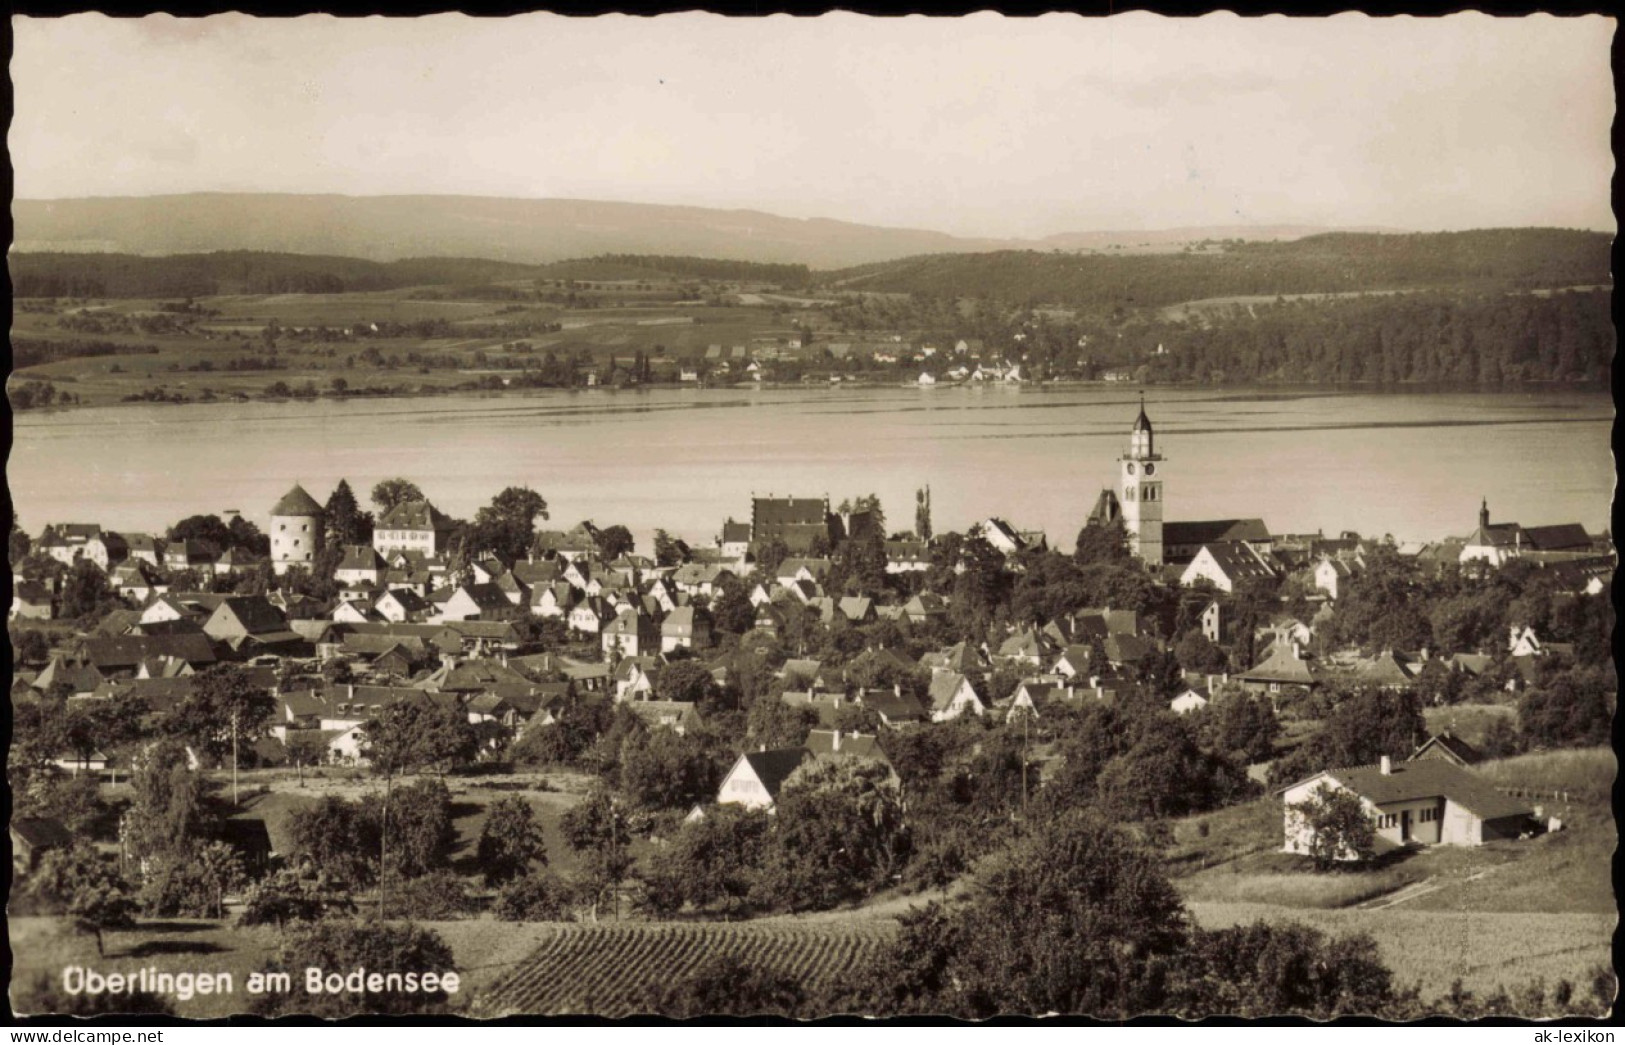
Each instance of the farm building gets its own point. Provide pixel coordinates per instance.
(1426, 802)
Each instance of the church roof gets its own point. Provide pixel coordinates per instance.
(296, 502)
(1142, 423)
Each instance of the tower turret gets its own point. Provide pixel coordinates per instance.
(1140, 491)
(298, 530)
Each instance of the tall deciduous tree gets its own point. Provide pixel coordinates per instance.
(1337, 826)
(89, 890)
(510, 841)
(391, 492)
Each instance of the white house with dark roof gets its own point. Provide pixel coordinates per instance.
(1226, 565)
(952, 695)
(413, 526)
(1426, 802)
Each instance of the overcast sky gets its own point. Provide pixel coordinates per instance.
(976, 126)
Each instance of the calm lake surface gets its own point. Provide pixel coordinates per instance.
(1412, 465)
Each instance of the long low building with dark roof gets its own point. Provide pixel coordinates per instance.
(1426, 802)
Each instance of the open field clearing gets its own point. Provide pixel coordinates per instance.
(1434, 948)
(606, 969)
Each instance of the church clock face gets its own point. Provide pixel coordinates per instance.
(1150, 469)
(1131, 468)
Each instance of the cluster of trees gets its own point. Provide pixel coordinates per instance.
(26, 395)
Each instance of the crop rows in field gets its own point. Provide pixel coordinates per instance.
(605, 970)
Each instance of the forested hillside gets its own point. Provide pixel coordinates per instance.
(238, 272)
(1333, 263)
(261, 272)
(1481, 339)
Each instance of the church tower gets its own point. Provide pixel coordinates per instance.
(1140, 491)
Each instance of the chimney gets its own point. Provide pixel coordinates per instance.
(761, 748)
(1387, 766)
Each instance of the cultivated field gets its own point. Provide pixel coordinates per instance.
(606, 969)
(1432, 949)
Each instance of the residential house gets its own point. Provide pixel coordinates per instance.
(554, 600)
(895, 708)
(631, 634)
(679, 716)
(1072, 662)
(136, 581)
(952, 695)
(758, 776)
(403, 606)
(591, 616)
(1449, 748)
(1331, 574)
(472, 602)
(1182, 540)
(687, 627)
(1215, 622)
(907, 556)
(1226, 565)
(32, 600)
(32, 838)
(1285, 668)
(190, 555)
(925, 607)
(1192, 698)
(1427, 802)
(250, 620)
(361, 565)
(413, 526)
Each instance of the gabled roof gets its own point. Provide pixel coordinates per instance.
(1429, 778)
(832, 743)
(944, 684)
(1386, 670)
(1237, 561)
(1125, 649)
(296, 502)
(891, 706)
(1460, 751)
(1214, 531)
(42, 832)
(362, 557)
(1562, 537)
(414, 515)
(255, 613)
(1282, 666)
(114, 654)
(773, 768)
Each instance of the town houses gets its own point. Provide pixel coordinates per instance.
(812, 633)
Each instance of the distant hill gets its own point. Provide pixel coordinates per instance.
(1332, 263)
(388, 228)
(54, 275)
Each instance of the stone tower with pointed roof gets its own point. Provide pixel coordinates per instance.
(298, 528)
(1140, 491)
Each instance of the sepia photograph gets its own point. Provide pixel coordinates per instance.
(911, 518)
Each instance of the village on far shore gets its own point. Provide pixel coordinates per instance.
(1165, 668)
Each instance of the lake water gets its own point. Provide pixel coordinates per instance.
(1412, 465)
